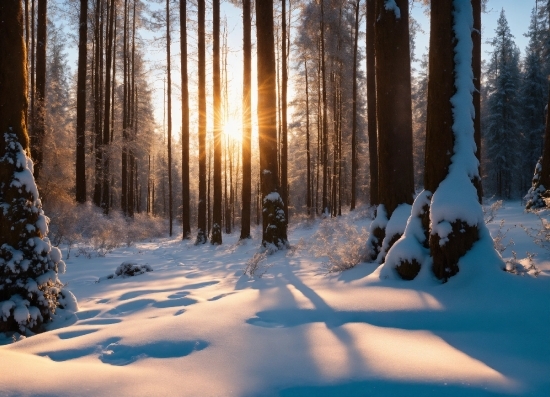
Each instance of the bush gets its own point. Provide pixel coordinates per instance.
(129, 269)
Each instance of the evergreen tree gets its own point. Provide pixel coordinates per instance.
(30, 291)
(502, 132)
(533, 93)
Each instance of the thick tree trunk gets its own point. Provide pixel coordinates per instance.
(545, 163)
(202, 232)
(371, 102)
(247, 122)
(185, 215)
(216, 235)
(440, 138)
(274, 225)
(39, 129)
(81, 104)
(394, 113)
(98, 73)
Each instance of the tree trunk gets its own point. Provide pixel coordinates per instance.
(169, 98)
(394, 113)
(185, 196)
(354, 111)
(39, 130)
(201, 235)
(247, 122)
(284, 121)
(107, 109)
(273, 225)
(98, 146)
(308, 154)
(371, 103)
(324, 135)
(476, 66)
(216, 235)
(545, 163)
(440, 137)
(81, 104)
(124, 176)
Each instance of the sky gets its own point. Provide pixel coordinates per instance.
(518, 13)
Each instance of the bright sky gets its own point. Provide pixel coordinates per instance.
(517, 12)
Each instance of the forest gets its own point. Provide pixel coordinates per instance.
(274, 198)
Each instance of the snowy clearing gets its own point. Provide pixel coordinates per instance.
(196, 326)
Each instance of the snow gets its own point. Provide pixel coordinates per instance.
(395, 226)
(390, 5)
(196, 326)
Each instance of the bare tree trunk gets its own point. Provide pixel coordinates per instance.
(394, 113)
(169, 97)
(284, 121)
(273, 225)
(124, 176)
(371, 103)
(247, 122)
(107, 109)
(202, 237)
(216, 235)
(476, 66)
(308, 154)
(81, 104)
(39, 129)
(33, 74)
(324, 137)
(354, 111)
(185, 196)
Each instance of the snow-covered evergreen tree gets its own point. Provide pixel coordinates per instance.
(502, 134)
(30, 290)
(533, 98)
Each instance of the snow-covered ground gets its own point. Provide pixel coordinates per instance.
(196, 326)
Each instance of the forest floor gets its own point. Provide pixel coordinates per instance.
(197, 326)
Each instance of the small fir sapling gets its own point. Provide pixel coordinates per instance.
(30, 291)
(535, 197)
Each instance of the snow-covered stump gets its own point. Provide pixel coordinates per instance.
(377, 232)
(394, 229)
(30, 291)
(406, 256)
(274, 223)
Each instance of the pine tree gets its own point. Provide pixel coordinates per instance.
(532, 100)
(30, 290)
(502, 132)
(273, 219)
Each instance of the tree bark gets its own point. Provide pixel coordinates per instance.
(476, 66)
(273, 226)
(284, 106)
(324, 134)
(216, 235)
(169, 109)
(247, 122)
(201, 220)
(371, 103)
(354, 111)
(185, 196)
(39, 129)
(81, 104)
(308, 154)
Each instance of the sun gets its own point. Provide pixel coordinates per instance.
(232, 129)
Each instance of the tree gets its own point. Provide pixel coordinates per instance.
(185, 215)
(532, 100)
(273, 220)
(169, 115)
(371, 103)
(38, 132)
(30, 289)
(201, 220)
(394, 122)
(216, 235)
(354, 110)
(81, 104)
(284, 106)
(502, 129)
(247, 122)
